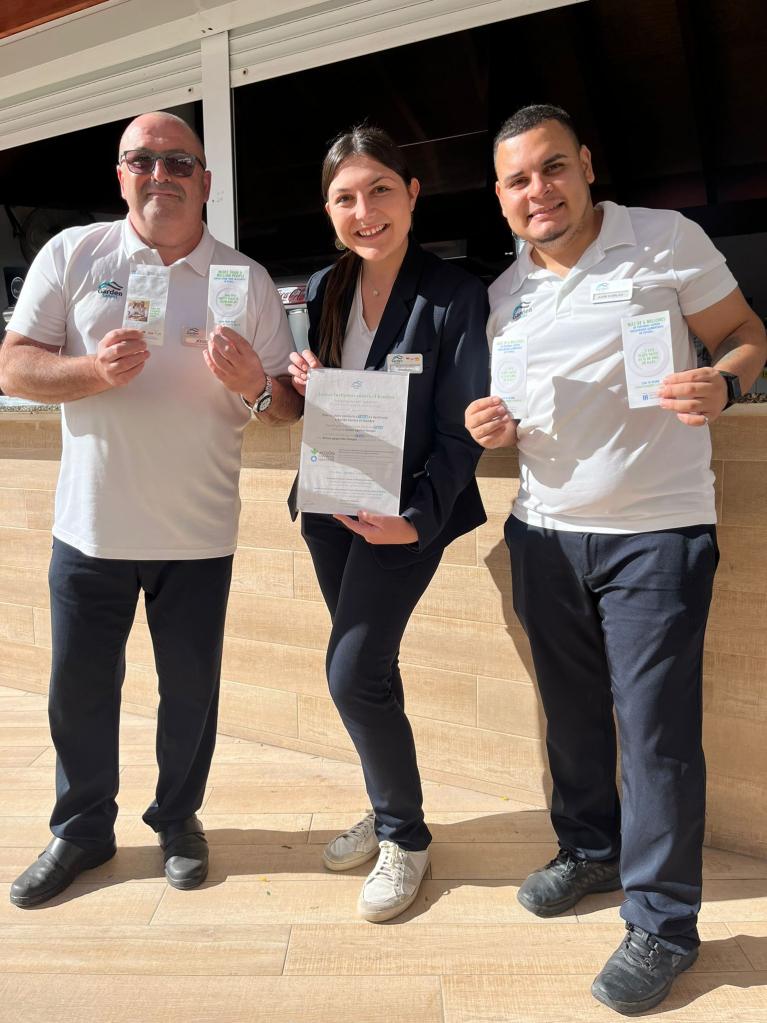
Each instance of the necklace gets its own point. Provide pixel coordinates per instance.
(376, 292)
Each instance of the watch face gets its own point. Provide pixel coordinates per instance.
(733, 386)
(263, 403)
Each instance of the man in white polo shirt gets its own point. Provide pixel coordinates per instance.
(612, 535)
(148, 493)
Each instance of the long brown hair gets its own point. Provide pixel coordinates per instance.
(364, 140)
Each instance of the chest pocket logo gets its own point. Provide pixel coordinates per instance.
(522, 308)
(110, 289)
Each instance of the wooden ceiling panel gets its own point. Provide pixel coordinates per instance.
(18, 15)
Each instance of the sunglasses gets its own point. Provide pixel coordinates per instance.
(142, 161)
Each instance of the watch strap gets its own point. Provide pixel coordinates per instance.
(259, 404)
(732, 382)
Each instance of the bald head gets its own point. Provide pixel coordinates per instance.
(164, 208)
(162, 126)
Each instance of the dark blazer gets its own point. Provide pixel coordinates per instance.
(440, 311)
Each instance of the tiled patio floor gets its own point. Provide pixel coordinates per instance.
(272, 937)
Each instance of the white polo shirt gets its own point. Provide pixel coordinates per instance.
(150, 470)
(588, 462)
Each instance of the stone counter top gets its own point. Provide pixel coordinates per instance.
(20, 408)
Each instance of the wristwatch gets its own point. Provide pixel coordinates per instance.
(263, 401)
(733, 387)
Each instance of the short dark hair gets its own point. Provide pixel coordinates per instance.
(530, 117)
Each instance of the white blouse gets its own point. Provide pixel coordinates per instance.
(358, 337)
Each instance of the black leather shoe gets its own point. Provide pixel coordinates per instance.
(639, 974)
(55, 869)
(185, 850)
(564, 881)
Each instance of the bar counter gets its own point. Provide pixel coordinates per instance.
(465, 661)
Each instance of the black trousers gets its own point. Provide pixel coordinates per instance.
(618, 620)
(370, 607)
(93, 603)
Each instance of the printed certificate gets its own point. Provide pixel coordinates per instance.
(351, 449)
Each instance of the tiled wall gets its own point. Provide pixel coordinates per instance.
(465, 661)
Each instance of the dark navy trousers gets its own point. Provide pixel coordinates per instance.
(93, 603)
(370, 606)
(617, 621)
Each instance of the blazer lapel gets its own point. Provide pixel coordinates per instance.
(398, 308)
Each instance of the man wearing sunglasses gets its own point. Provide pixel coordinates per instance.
(147, 497)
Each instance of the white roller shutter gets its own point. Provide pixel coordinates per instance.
(157, 80)
(338, 30)
(125, 57)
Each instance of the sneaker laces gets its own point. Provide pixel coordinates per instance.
(566, 861)
(361, 827)
(391, 864)
(640, 948)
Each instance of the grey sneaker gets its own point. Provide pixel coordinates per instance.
(393, 883)
(355, 846)
(564, 881)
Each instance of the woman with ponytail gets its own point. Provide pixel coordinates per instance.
(387, 295)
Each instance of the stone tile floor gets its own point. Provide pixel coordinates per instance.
(272, 937)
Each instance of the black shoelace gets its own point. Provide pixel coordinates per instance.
(640, 948)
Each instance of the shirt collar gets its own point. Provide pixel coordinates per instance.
(616, 227)
(527, 268)
(199, 258)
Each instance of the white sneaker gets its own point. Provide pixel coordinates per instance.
(357, 845)
(393, 883)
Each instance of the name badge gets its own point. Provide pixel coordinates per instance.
(194, 337)
(404, 362)
(612, 291)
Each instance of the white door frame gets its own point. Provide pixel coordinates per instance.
(217, 122)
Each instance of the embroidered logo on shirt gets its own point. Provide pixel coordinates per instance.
(521, 309)
(110, 289)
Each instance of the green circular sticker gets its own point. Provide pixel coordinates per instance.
(649, 359)
(229, 301)
(507, 375)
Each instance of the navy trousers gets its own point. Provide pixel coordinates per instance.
(618, 621)
(93, 603)
(370, 607)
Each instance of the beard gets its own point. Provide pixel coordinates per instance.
(551, 236)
